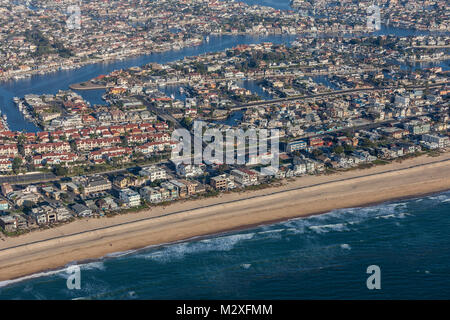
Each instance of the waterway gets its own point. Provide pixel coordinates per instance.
(53, 82)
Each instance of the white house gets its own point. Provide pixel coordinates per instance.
(130, 198)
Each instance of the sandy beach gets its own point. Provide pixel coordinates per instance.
(93, 238)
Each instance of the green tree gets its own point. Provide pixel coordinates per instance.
(61, 171)
(17, 163)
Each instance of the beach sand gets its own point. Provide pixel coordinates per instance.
(94, 238)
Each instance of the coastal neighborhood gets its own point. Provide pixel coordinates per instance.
(36, 38)
(102, 160)
(335, 110)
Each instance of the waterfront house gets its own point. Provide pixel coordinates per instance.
(151, 195)
(222, 182)
(130, 198)
(180, 187)
(245, 177)
(171, 189)
(12, 223)
(81, 210)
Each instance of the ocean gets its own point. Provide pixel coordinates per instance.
(318, 257)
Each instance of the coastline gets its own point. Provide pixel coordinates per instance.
(86, 240)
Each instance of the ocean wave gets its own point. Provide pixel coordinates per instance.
(119, 254)
(96, 265)
(439, 197)
(343, 219)
(271, 231)
(32, 276)
(442, 197)
(58, 272)
(346, 246)
(329, 227)
(180, 250)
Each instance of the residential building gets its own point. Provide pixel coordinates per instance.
(152, 195)
(81, 210)
(12, 223)
(97, 184)
(6, 189)
(4, 205)
(180, 187)
(130, 198)
(189, 170)
(296, 146)
(153, 173)
(222, 182)
(245, 177)
(440, 141)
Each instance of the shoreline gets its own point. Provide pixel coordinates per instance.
(192, 220)
(113, 255)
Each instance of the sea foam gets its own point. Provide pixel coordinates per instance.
(180, 250)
